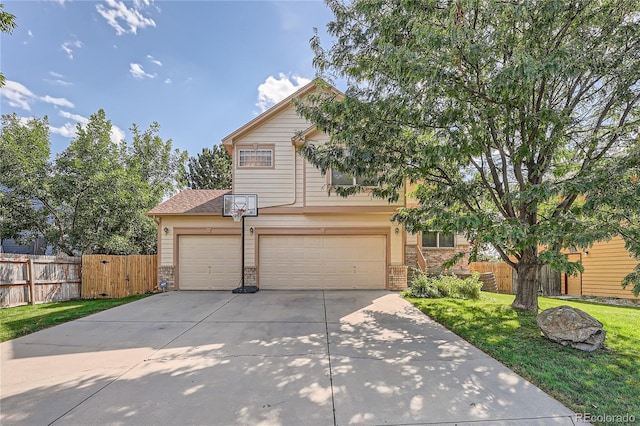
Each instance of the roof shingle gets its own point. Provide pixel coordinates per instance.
(192, 201)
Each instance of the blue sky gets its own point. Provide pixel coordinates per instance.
(201, 69)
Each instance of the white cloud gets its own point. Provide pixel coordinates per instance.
(59, 82)
(117, 135)
(137, 71)
(69, 45)
(30, 33)
(116, 12)
(58, 79)
(75, 117)
(57, 101)
(17, 95)
(167, 81)
(67, 130)
(155, 61)
(273, 90)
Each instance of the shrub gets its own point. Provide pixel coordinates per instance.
(423, 285)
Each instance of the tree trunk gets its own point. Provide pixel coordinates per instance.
(527, 293)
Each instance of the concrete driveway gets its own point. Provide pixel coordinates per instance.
(290, 358)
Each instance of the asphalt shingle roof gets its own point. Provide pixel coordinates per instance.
(192, 201)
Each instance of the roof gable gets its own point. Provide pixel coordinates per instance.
(228, 140)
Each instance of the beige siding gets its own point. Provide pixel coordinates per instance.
(290, 223)
(274, 186)
(605, 265)
(167, 240)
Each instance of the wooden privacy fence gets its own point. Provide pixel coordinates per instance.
(503, 273)
(118, 276)
(28, 279)
(507, 278)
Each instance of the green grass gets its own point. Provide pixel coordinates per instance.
(605, 382)
(22, 320)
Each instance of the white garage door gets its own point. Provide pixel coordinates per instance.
(209, 262)
(322, 262)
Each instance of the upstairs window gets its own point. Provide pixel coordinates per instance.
(435, 239)
(255, 158)
(345, 179)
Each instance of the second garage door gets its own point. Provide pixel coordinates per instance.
(209, 262)
(322, 262)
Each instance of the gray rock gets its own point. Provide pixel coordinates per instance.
(571, 327)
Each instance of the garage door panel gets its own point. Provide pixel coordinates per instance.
(209, 262)
(322, 261)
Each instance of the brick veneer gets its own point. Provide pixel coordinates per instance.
(249, 275)
(167, 273)
(397, 277)
(435, 257)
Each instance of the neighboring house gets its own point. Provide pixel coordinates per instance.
(39, 246)
(605, 264)
(305, 236)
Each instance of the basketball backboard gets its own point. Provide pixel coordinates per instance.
(239, 205)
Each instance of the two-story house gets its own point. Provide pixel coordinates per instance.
(304, 237)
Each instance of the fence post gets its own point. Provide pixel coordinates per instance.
(31, 280)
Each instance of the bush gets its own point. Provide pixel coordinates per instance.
(441, 286)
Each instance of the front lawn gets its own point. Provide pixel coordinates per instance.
(22, 320)
(606, 382)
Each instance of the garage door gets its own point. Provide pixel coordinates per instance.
(209, 262)
(322, 262)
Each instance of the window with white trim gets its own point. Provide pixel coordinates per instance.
(433, 239)
(259, 157)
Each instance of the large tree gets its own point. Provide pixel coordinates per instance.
(210, 169)
(512, 118)
(93, 197)
(24, 166)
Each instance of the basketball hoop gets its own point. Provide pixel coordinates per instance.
(239, 206)
(237, 214)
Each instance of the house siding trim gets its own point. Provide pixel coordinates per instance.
(328, 209)
(340, 231)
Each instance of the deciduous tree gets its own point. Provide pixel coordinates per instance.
(514, 118)
(93, 197)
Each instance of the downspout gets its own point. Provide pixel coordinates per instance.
(295, 174)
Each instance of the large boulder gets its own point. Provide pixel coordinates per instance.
(571, 327)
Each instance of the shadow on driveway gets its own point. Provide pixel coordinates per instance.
(270, 358)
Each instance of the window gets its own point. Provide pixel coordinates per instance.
(255, 158)
(345, 179)
(438, 239)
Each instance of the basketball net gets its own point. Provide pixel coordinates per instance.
(237, 214)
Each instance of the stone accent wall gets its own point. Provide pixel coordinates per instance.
(435, 257)
(249, 275)
(167, 273)
(397, 277)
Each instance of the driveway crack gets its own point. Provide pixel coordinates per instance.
(326, 327)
